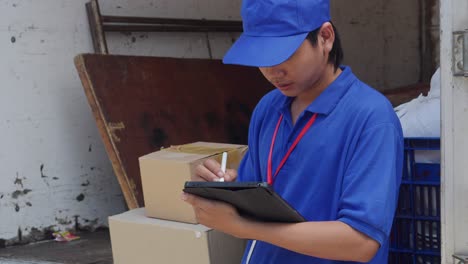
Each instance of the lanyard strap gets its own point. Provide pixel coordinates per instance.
(296, 141)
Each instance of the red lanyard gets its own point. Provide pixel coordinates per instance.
(304, 130)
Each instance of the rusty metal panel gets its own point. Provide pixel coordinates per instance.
(144, 103)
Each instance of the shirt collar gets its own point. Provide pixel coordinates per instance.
(327, 100)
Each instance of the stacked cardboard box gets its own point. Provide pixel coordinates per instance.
(166, 230)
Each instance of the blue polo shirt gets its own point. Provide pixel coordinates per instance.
(347, 167)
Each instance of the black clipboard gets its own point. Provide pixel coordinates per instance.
(252, 199)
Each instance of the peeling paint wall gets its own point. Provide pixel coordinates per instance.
(54, 172)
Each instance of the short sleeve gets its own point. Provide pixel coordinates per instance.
(371, 182)
(246, 169)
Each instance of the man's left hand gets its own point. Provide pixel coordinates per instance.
(217, 215)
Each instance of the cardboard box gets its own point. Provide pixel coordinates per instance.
(138, 239)
(164, 173)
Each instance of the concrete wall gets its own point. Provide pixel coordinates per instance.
(381, 40)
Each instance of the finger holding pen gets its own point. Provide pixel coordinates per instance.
(207, 171)
(211, 170)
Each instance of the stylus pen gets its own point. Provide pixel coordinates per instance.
(223, 165)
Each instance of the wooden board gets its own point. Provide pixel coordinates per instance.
(144, 103)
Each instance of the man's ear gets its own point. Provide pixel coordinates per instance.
(327, 36)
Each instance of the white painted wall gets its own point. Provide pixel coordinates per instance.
(51, 154)
(45, 122)
(454, 94)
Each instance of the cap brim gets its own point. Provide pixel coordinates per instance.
(263, 51)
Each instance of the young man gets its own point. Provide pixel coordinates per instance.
(331, 146)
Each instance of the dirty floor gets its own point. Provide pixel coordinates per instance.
(91, 248)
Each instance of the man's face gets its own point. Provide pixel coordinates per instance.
(300, 72)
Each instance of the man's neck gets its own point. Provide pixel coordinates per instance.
(306, 98)
(300, 103)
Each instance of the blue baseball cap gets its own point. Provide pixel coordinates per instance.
(274, 29)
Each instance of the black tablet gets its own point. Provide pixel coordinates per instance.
(252, 199)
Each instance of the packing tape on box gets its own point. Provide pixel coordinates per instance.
(234, 153)
(202, 150)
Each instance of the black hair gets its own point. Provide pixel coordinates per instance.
(336, 54)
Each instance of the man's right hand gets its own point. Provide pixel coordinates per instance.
(210, 170)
